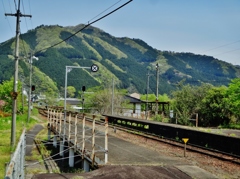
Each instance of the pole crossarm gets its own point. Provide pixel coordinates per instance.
(18, 13)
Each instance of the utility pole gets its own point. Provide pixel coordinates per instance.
(30, 86)
(112, 106)
(157, 69)
(146, 108)
(15, 82)
(30, 89)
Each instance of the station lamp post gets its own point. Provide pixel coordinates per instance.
(94, 68)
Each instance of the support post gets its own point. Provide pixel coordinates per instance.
(196, 119)
(57, 121)
(93, 141)
(30, 89)
(75, 132)
(83, 137)
(54, 119)
(49, 125)
(112, 106)
(86, 165)
(60, 122)
(106, 140)
(55, 141)
(71, 157)
(69, 127)
(15, 80)
(22, 156)
(61, 148)
(157, 68)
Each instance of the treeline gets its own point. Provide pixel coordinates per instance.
(215, 105)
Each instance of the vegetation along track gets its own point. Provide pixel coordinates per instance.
(173, 142)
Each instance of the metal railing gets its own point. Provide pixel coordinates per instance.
(15, 169)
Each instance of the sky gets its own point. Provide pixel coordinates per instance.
(206, 27)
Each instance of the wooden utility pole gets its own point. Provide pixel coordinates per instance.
(146, 107)
(157, 76)
(15, 82)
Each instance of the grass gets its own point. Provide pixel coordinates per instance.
(5, 137)
(231, 126)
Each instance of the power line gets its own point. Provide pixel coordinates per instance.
(7, 18)
(85, 27)
(15, 5)
(222, 46)
(227, 52)
(25, 17)
(10, 6)
(30, 12)
(105, 10)
(23, 45)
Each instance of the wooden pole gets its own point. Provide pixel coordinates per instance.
(93, 141)
(83, 136)
(196, 119)
(69, 127)
(75, 133)
(106, 140)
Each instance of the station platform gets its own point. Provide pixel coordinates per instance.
(127, 160)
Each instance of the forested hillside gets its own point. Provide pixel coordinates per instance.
(125, 60)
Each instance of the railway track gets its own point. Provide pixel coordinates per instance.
(175, 143)
(179, 144)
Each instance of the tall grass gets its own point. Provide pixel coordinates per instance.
(5, 137)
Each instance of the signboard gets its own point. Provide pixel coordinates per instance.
(185, 140)
(94, 68)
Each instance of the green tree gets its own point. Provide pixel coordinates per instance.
(101, 100)
(6, 89)
(214, 108)
(187, 101)
(71, 91)
(233, 94)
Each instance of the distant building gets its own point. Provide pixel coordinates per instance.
(135, 111)
(74, 103)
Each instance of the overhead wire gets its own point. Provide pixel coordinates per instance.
(24, 49)
(85, 27)
(222, 46)
(7, 18)
(22, 41)
(227, 52)
(30, 12)
(15, 5)
(104, 11)
(10, 6)
(24, 17)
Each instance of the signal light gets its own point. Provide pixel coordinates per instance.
(33, 87)
(83, 88)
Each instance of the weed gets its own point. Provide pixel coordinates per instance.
(5, 132)
(233, 135)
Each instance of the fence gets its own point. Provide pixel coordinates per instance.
(79, 136)
(15, 169)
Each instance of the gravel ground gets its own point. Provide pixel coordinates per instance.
(222, 169)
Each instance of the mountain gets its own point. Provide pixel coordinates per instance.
(125, 60)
